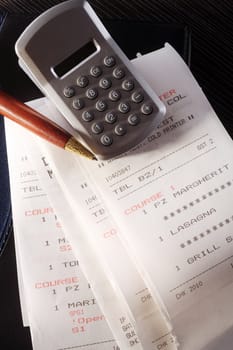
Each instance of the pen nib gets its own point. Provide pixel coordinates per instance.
(73, 145)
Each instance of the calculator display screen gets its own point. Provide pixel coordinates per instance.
(74, 59)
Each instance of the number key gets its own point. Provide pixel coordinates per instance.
(101, 105)
(82, 81)
(105, 83)
(109, 61)
(91, 93)
(124, 107)
(137, 97)
(106, 140)
(128, 84)
(78, 103)
(147, 108)
(111, 117)
(87, 116)
(118, 73)
(68, 91)
(114, 95)
(97, 128)
(95, 71)
(120, 130)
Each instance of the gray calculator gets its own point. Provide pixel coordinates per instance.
(72, 58)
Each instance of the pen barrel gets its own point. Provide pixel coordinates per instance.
(32, 120)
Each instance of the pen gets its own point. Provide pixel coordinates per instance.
(40, 125)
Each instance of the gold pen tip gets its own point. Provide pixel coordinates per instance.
(73, 145)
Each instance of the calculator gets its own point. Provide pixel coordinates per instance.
(75, 62)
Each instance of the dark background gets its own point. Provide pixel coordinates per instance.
(210, 22)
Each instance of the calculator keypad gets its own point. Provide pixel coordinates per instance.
(111, 101)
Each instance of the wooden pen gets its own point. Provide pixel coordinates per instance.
(40, 125)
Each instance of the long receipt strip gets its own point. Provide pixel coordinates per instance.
(136, 292)
(146, 326)
(62, 311)
(150, 326)
(169, 203)
(60, 307)
(68, 303)
(172, 198)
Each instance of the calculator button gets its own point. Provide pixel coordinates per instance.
(128, 84)
(114, 95)
(88, 116)
(124, 107)
(106, 140)
(111, 117)
(134, 119)
(118, 73)
(147, 108)
(69, 91)
(137, 97)
(97, 128)
(82, 81)
(95, 71)
(120, 130)
(109, 61)
(101, 105)
(105, 83)
(78, 103)
(91, 93)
